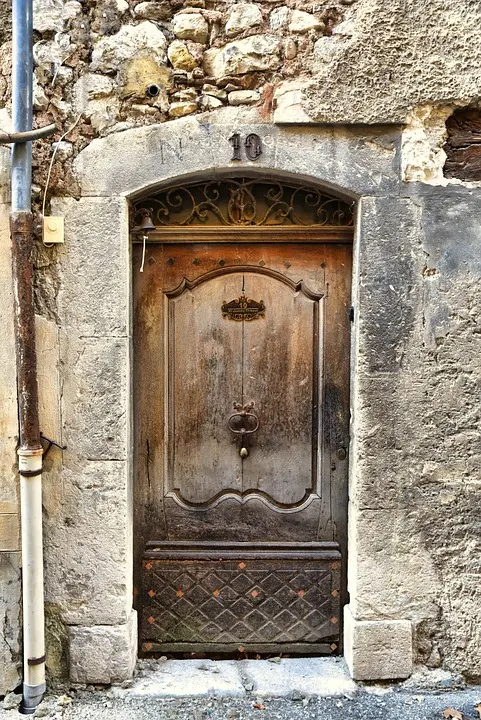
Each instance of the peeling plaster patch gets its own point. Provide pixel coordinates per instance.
(288, 104)
(401, 54)
(422, 154)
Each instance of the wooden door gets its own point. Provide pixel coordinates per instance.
(241, 414)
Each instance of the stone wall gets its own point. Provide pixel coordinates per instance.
(113, 65)
(109, 65)
(414, 535)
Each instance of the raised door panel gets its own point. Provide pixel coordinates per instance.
(205, 374)
(281, 378)
(187, 379)
(214, 362)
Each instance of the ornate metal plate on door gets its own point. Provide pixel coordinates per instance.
(242, 308)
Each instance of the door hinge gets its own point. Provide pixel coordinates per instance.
(351, 313)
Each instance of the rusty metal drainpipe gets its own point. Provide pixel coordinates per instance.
(30, 465)
(30, 450)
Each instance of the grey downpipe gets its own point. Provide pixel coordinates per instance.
(30, 450)
(22, 102)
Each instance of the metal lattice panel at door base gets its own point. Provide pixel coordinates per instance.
(235, 602)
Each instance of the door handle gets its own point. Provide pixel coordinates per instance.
(243, 422)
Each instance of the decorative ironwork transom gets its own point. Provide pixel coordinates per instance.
(243, 201)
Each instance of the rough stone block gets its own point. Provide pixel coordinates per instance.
(95, 400)
(288, 104)
(48, 356)
(51, 15)
(190, 26)
(309, 676)
(9, 532)
(103, 653)
(378, 649)
(10, 649)
(191, 678)
(151, 10)
(252, 54)
(389, 302)
(131, 40)
(180, 57)
(93, 295)
(390, 571)
(303, 22)
(242, 17)
(88, 536)
(388, 413)
(93, 97)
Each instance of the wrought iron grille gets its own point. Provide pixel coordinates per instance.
(243, 202)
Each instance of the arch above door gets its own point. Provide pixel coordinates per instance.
(245, 202)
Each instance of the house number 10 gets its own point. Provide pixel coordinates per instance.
(252, 144)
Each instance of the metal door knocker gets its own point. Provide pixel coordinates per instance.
(243, 422)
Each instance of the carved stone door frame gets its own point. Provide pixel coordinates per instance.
(359, 164)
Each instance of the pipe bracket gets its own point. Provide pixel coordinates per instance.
(31, 473)
(49, 446)
(36, 661)
(26, 136)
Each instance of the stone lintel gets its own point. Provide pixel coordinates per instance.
(344, 159)
(377, 649)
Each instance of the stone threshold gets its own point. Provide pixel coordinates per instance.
(322, 677)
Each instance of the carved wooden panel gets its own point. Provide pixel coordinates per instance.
(204, 377)
(272, 363)
(193, 362)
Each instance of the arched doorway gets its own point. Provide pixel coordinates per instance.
(241, 413)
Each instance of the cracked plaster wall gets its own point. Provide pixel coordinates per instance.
(388, 58)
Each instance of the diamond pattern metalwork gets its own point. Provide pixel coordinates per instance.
(218, 602)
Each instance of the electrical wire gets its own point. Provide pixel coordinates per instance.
(52, 161)
(143, 253)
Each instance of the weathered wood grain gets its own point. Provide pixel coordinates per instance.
(463, 145)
